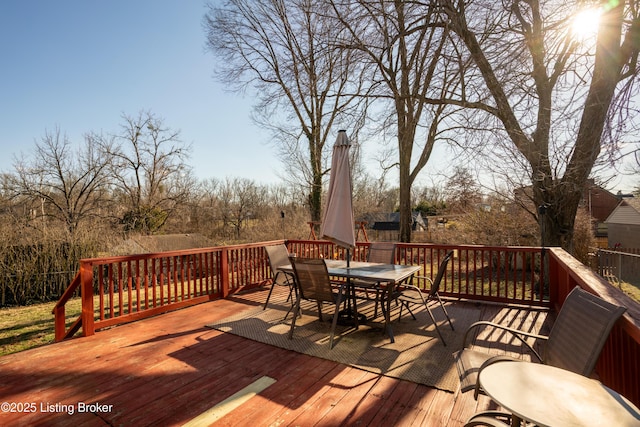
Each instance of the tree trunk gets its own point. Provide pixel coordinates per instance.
(315, 199)
(557, 218)
(406, 133)
(405, 202)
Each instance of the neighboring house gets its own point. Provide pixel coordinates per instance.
(599, 202)
(623, 224)
(161, 243)
(391, 221)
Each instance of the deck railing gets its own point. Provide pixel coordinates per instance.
(619, 266)
(116, 290)
(489, 273)
(619, 363)
(124, 288)
(121, 289)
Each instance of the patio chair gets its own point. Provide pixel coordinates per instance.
(574, 343)
(313, 283)
(489, 419)
(383, 253)
(408, 294)
(493, 418)
(279, 257)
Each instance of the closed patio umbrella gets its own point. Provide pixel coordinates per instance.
(337, 219)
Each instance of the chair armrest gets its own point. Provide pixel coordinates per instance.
(424, 278)
(289, 277)
(420, 277)
(406, 286)
(520, 335)
(490, 418)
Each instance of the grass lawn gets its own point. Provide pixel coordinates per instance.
(22, 328)
(31, 326)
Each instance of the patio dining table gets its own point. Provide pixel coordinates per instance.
(550, 396)
(391, 274)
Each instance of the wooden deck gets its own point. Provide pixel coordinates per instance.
(169, 369)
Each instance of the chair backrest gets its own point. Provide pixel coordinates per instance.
(442, 269)
(382, 252)
(312, 279)
(580, 331)
(278, 257)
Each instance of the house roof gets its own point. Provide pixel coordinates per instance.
(600, 201)
(627, 212)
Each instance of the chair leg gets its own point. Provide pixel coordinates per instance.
(406, 305)
(269, 295)
(355, 308)
(383, 305)
(386, 312)
(433, 319)
(336, 314)
(296, 310)
(291, 282)
(445, 311)
(319, 310)
(375, 310)
(292, 290)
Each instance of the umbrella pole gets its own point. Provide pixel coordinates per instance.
(351, 291)
(350, 316)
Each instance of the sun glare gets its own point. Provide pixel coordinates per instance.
(585, 23)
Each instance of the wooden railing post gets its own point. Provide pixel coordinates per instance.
(86, 289)
(224, 271)
(59, 322)
(553, 277)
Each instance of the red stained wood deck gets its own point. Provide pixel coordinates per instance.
(169, 369)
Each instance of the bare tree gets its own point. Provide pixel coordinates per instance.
(552, 96)
(205, 207)
(148, 171)
(62, 183)
(305, 86)
(240, 201)
(463, 191)
(403, 43)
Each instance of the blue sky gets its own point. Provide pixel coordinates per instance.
(78, 65)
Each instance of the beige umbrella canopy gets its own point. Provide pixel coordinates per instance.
(337, 219)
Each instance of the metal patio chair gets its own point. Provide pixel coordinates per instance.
(313, 283)
(379, 252)
(278, 258)
(408, 294)
(489, 419)
(574, 343)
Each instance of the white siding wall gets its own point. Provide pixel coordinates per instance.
(624, 215)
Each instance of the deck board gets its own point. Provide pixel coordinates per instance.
(168, 369)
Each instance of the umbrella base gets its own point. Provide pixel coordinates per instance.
(346, 318)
